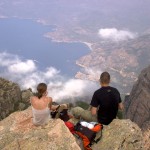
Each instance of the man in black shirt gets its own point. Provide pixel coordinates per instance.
(106, 101)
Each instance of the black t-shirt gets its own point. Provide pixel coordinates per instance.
(107, 100)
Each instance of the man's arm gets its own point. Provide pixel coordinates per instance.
(118, 98)
(93, 110)
(120, 106)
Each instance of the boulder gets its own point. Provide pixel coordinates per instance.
(120, 135)
(12, 98)
(18, 133)
(26, 94)
(79, 112)
(137, 105)
(25, 99)
(10, 95)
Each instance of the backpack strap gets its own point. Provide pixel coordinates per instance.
(99, 138)
(57, 107)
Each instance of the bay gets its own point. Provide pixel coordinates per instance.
(24, 37)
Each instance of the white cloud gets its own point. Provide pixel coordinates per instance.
(115, 34)
(27, 75)
(7, 59)
(22, 67)
(72, 89)
(51, 72)
(15, 65)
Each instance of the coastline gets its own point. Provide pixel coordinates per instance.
(55, 39)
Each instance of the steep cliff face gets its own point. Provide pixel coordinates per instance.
(18, 133)
(138, 104)
(12, 98)
(10, 94)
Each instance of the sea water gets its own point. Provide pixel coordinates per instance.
(25, 38)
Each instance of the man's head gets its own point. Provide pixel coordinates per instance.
(104, 79)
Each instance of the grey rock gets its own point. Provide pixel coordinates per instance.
(137, 106)
(80, 113)
(12, 98)
(21, 106)
(10, 95)
(18, 133)
(26, 94)
(120, 135)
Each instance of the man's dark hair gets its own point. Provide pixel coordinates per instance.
(105, 78)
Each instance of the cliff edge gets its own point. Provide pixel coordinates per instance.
(137, 106)
(18, 133)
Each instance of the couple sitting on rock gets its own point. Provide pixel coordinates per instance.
(104, 104)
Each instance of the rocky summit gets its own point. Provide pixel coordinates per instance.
(18, 133)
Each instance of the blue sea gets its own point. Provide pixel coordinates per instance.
(24, 37)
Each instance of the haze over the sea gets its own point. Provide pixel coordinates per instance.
(27, 57)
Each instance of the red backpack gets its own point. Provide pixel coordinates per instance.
(70, 126)
(87, 135)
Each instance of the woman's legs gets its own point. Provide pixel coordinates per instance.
(62, 106)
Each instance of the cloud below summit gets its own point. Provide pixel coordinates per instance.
(116, 35)
(27, 74)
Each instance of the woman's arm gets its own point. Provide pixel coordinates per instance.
(50, 103)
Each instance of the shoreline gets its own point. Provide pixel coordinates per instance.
(46, 35)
